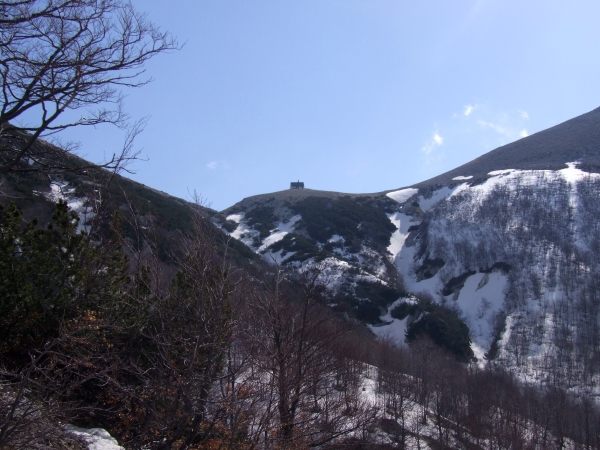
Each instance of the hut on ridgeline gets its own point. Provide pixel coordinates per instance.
(297, 185)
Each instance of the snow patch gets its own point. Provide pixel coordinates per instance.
(278, 257)
(333, 271)
(402, 195)
(243, 232)
(402, 222)
(96, 438)
(247, 235)
(480, 299)
(441, 194)
(279, 233)
(59, 190)
(461, 177)
(235, 217)
(393, 328)
(572, 174)
(495, 173)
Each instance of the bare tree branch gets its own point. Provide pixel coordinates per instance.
(68, 55)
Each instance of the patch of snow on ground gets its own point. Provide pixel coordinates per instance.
(369, 278)
(480, 299)
(402, 195)
(244, 233)
(461, 177)
(289, 225)
(393, 328)
(572, 174)
(333, 271)
(369, 390)
(441, 194)
(336, 238)
(404, 262)
(279, 233)
(372, 261)
(402, 222)
(59, 190)
(494, 173)
(419, 434)
(96, 438)
(278, 257)
(235, 217)
(530, 362)
(514, 179)
(276, 236)
(344, 253)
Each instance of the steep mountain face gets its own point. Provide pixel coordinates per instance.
(347, 235)
(510, 240)
(518, 254)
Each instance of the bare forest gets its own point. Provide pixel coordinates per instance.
(199, 353)
(546, 233)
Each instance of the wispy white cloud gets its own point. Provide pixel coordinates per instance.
(508, 130)
(468, 109)
(473, 129)
(435, 141)
(219, 165)
(497, 128)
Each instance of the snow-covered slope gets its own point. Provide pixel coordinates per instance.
(347, 236)
(518, 255)
(511, 241)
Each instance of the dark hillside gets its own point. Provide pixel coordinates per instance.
(163, 217)
(286, 197)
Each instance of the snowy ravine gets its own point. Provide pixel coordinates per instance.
(519, 254)
(247, 235)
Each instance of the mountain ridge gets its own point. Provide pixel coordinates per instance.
(549, 149)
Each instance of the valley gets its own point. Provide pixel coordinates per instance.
(460, 312)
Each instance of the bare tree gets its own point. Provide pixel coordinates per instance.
(294, 336)
(177, 344)
(395, 387)
(69, 55)
(25, 423)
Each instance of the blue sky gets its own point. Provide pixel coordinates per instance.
(351, 96)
